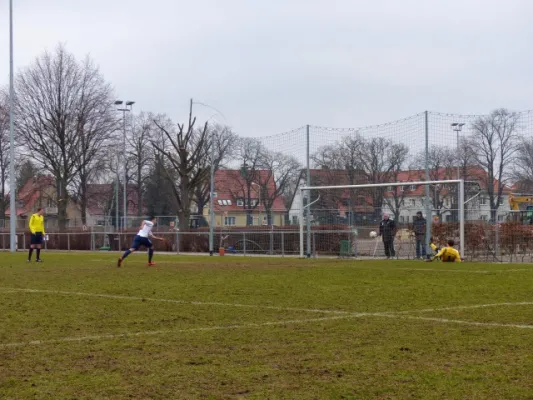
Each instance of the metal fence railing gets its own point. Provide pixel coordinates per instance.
(483, 242)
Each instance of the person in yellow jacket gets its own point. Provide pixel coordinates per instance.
(447, 254)
(37, 233)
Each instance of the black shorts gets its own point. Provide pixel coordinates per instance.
(141, 241)
(36, 238)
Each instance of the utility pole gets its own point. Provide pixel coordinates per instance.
(129, 106)
(12, 186)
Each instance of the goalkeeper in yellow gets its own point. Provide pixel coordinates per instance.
(37, 234)
(447, 254)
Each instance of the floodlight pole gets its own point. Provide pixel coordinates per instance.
(458, 127)
(12, 186)
(212, 177)
(124, 110)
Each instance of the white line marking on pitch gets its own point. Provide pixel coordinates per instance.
(452, 308)
(203, 329)
(455, 321)
(200, 303)
(468, 271)
(196, 303)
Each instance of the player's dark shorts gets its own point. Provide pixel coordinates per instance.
(141, 241)
(36, 238)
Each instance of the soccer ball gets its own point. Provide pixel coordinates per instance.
(373, 234)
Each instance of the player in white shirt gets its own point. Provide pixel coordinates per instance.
(142, 239)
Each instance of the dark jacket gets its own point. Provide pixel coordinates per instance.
(387, 229)
(419, 227)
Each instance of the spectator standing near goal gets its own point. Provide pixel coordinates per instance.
(36, 226)
(387, 230)
(419, 228)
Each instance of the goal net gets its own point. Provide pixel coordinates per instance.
(344, 219)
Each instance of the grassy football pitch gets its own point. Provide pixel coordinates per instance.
(78, 327)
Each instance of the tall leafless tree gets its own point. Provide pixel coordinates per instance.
(522, 171)
(4, 153)
(494, 143)
(223, 142)
(139, 152)
(185, 151)
(246, 186)
(281, 171)
(64, 114)
(397, 154)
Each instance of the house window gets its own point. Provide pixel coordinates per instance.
(240, 202)
(403, 188)
(294, 220)
(413, 202)
(484, 217)
(501, 201)
(500, 218)
(483, 201)
(389, 188)
(412, 187)
(229, 221)
(401, 218)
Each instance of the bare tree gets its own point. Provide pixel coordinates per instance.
(139, 152)
(185, 151)
(25, 169)
(379, 158)
(64, 114)
(4, 153)
(281, 171)
(223, 141)
(523, 166)
(442, 162)
(397, 155)
(341, 165)
(245, 185)
(494, 144)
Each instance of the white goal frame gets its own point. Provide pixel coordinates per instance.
(461, 204)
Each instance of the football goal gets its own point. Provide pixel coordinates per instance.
(343, 219)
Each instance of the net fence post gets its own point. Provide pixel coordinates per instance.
(462, 217)
(308, 219)
(301, 221)
(429, 216)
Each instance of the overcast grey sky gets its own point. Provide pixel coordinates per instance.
(271, 66)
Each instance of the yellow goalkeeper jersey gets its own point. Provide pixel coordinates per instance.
(36, 224)
(449, 254)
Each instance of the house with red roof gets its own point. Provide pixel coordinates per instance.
(244, 200)
(40, 192)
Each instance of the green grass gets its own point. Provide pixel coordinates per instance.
(213, 328)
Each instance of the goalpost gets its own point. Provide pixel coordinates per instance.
(393, 193)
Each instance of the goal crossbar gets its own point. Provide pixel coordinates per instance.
(461, 204)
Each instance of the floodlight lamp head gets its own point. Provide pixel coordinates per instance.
(130, 103)
(454, 124)
(118, 102)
